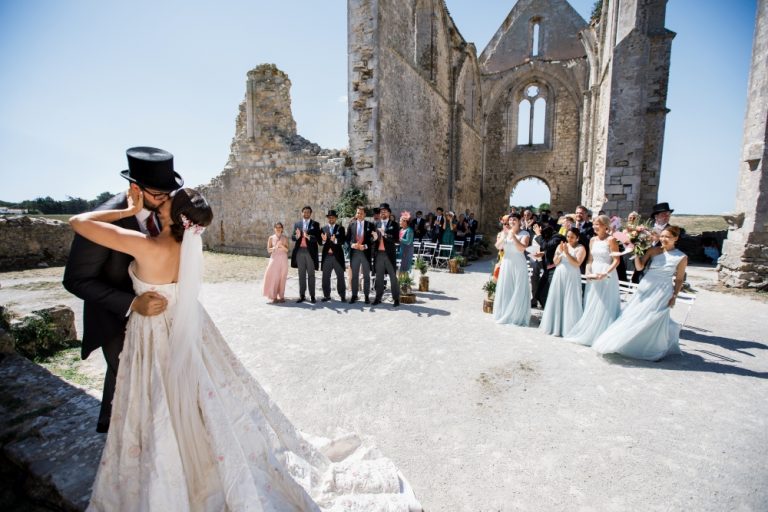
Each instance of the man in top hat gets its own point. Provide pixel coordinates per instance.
(332, 239)
(306, 234)
(384, 253)
(99, 275)
(660, 215)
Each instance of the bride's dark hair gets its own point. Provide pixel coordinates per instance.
(190, 203)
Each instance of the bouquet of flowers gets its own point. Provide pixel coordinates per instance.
(636, 238)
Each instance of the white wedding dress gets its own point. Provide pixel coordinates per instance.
(214, 440)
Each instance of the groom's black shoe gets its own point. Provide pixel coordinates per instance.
(312, 300)
(376, 301)
(397, 303)
(367, 300)
(353, 299)
(325, 299)
(300, 299)
(102, 428)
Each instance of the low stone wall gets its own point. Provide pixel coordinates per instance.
(29, 242)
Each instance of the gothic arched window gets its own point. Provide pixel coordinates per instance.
(532, 115)
(536, 32)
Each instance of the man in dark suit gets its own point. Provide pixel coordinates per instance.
(360, 240)
(332, 239)
(99, 275)
(660, 215)
(384, 253)
(419, 226)
(472, 228)
(586, 232)
(437, 230)
(306, 234)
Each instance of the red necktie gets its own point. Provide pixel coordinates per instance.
(152, 225)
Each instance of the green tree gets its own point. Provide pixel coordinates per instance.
(348, 202)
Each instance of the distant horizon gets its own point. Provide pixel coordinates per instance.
(82, 82)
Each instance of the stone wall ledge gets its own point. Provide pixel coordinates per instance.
(50, 448)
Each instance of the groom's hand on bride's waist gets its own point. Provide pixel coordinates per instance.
(149, 304)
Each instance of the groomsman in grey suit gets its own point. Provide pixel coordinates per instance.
(360, 240)
(386, 237)
(306, 233)
(332, 239)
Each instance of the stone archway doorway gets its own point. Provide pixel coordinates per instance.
(530, 191)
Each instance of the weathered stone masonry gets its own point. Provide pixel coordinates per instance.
(745, 253)
(432, 124)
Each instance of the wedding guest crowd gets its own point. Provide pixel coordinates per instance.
(371, 248)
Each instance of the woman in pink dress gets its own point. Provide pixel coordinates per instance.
(277, 270)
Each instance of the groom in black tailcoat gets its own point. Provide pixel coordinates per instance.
(99, 275)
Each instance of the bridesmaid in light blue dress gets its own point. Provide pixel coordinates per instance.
(645, 330)
(602, 303)
(563, 308)
(512, 304)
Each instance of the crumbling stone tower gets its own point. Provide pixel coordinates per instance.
(415, 105)
(625, 108)
(745, 253)
(580, 106)
(534, 77)
(272, 171)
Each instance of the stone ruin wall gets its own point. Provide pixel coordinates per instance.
(272, 172)
(631, 48)
(29, 242)
(556, 161)
(410, 143)
(426, 119)
(561, 69)
(744, 262)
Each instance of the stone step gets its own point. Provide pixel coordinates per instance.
(47, 435)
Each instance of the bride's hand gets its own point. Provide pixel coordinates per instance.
(135, 201)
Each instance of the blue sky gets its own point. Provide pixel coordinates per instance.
(82, 80)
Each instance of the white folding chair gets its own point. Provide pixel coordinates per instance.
(428, 252)
(443, 255)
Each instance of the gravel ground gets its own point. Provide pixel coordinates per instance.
(483, 417)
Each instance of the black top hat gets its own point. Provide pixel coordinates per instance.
(385, 206)
(152, 168)
(331, 213)
(660, 208)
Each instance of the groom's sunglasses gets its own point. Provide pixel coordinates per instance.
(157, 195)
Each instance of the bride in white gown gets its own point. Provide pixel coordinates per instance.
(191, 429)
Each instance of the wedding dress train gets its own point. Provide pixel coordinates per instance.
(233, 449)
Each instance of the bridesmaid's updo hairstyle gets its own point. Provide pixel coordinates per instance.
(190, 203)
(604, 220)
(673, 230)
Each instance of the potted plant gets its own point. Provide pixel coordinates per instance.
(490, 292)
(406, 288)
(422, 267)
(455, 264)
